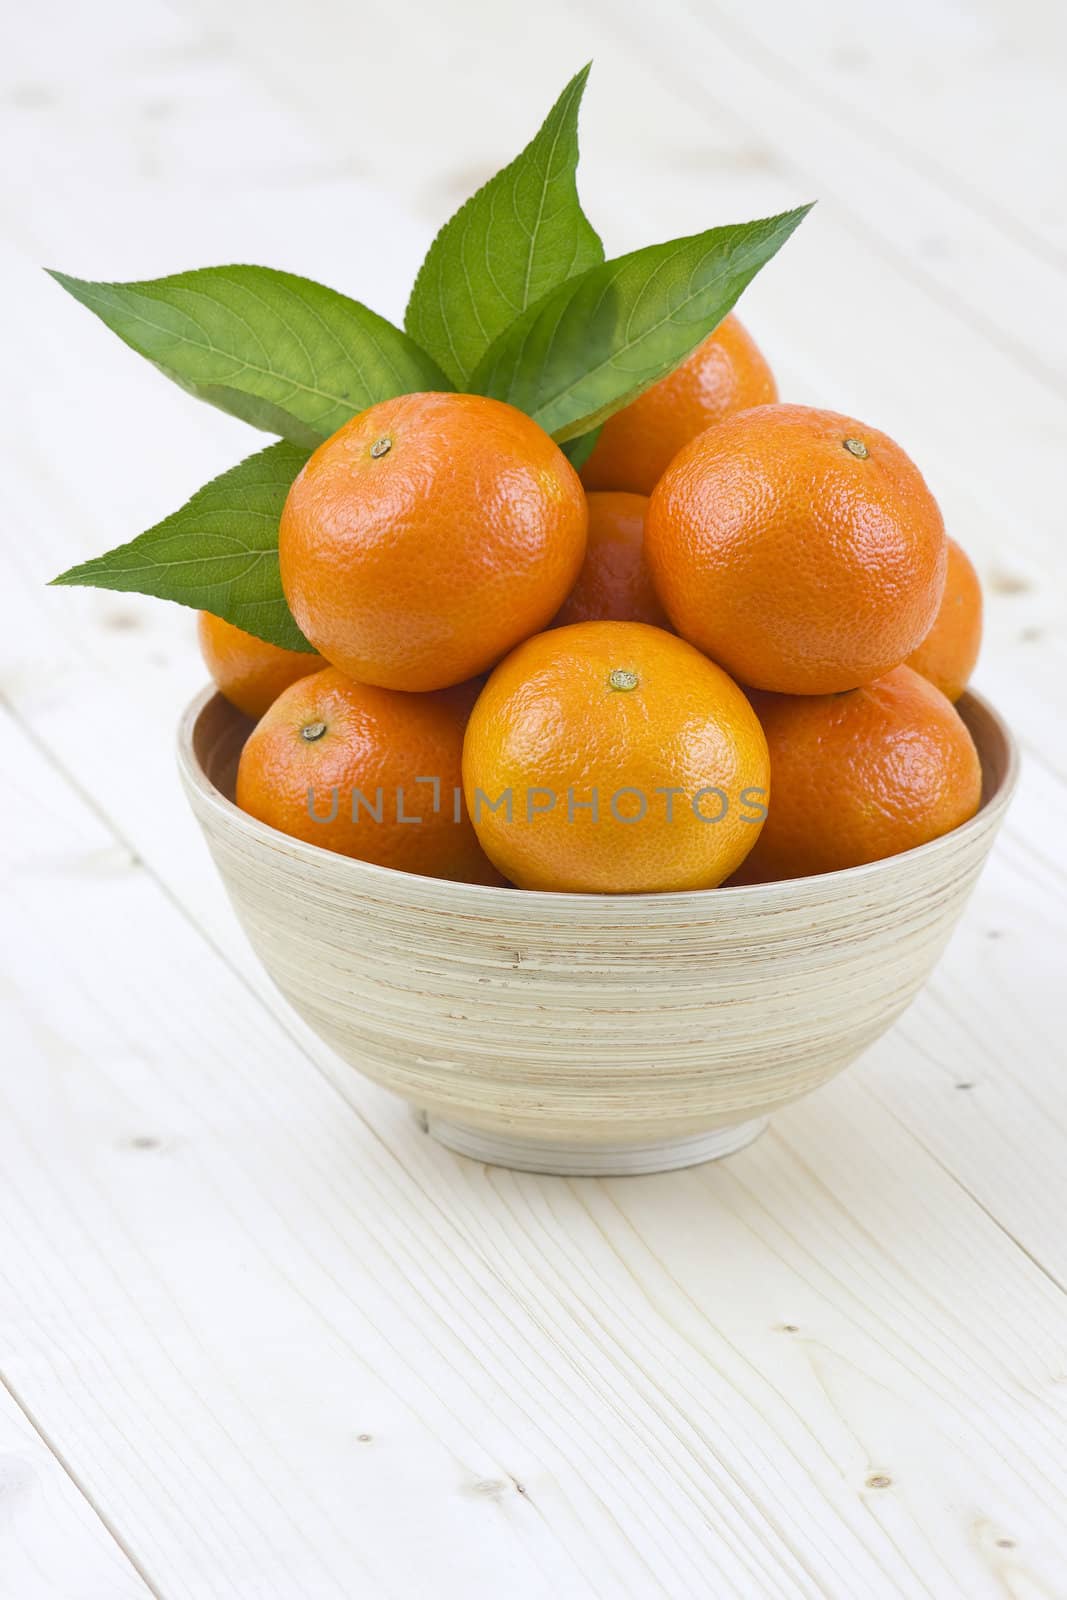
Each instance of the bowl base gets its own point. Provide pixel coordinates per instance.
(567, 1160)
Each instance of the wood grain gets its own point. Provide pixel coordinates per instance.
(52, 1542)
(830, 1366)
(265, 1321)
(569, 1021)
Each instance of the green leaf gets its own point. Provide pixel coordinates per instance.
(513, 241)
(580, 449)
(218, 553)
(281, 352)
(592, 345)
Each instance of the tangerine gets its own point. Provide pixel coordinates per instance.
(948, 653)
(615, 584)
(861, 775)
(429, 535)
(726, 373)
(366, 772)
(250, 672)
(800, 549)
(612, 757)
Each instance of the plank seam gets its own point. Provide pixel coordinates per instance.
(53, 759)
(58, 1456)
(939, 1162)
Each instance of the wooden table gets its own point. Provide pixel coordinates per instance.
(258, 1336)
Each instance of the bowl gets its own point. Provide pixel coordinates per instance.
(589, 1034)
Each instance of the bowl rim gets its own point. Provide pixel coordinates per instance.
(989, 812)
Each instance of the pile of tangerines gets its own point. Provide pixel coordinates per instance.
(728, 651)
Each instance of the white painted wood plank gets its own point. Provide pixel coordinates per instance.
(972, 261)
(161, 145)
(208, 1355)
(969, 96)
(52, 1543)
(226, 1279)
(983, 1047)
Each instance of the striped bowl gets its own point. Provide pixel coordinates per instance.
(589, 1034)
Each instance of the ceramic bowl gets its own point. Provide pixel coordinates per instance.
(589, 1034)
